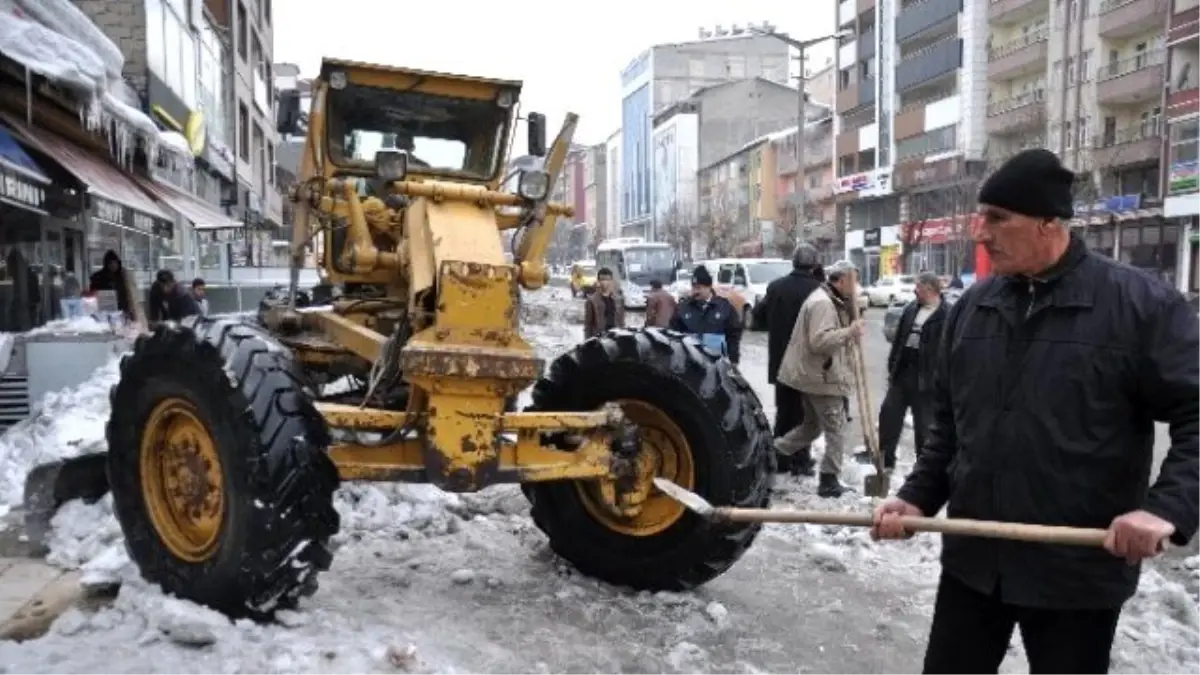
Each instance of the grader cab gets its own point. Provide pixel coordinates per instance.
(227, 439)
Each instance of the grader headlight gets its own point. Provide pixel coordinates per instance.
(534, 185)
(391, 165)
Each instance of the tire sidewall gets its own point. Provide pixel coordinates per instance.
(219, 414)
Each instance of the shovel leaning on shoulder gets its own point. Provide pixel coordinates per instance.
(1046, 534)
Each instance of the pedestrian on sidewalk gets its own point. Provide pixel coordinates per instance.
(710, 317)
(660, 306)
(603, 310)
(778, 311)
(910, 369)
(817, 364)
(200, 295)
(1050, 376)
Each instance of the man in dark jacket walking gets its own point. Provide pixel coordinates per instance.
(604, 309)
(709, 317)
(910, 368)
(1049, 379)
(778, 311)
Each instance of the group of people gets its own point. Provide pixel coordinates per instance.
(713, 319)
(168, 299)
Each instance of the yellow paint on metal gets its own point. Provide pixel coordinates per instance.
(666, 453)
(182, 482)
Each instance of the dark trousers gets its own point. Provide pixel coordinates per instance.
(789, 409)
(971, 632)
(902, 395)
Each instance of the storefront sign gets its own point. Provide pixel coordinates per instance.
(1183, 177)
(867, 184)
(108, 211)
(871, 237)
(1116, 204)
(19, 190)
(941, 230)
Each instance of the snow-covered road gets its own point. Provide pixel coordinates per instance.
(425, 581)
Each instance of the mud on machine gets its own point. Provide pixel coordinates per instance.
(225, 449)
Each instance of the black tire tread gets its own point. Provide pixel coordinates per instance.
(289, 479)
(747, 455)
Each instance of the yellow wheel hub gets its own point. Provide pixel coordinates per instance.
(665, 452)
(181, 480)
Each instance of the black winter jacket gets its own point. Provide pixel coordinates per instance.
(778, 311)
(931, 337)
(171, 305)
(717, 317)
(1043, 412)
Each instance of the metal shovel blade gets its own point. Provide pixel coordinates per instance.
(684, 496)
(877, 484)
(49, 486)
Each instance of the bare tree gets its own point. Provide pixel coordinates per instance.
(678, 228)
(719, 228)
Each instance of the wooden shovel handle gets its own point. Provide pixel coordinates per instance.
(991, 529)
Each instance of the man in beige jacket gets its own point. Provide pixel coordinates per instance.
(817, 364)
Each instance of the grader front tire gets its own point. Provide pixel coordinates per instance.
(708, 432)
(218, 468)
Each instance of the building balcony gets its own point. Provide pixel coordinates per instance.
(929, 63)
(1182, 102)
(847, 99)
(1131, 146)
(1184, 25)
(919, 17)
(1137, 79)
(1118, 19)
(1015, 11)
(998, 153)
(846, 143)
(1023, 56)
(1023, 113)
(920, 174)
(866, 44)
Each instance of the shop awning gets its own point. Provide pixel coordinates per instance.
(202, 216)
(14, 158)
(103, 179)
(22, 181)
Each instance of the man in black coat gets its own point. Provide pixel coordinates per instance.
(1049, 379)
(778, 311)
(111, 277)
(168, 300)
(910, 368)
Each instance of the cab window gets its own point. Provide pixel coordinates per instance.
(725, 274)
(739, 276)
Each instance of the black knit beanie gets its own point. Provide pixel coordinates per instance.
(1033, 183)
(701, 277)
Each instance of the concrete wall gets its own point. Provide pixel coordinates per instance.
(124, 22)
(733, 115)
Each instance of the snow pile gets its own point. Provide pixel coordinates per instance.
(69, 423)
(78, 325)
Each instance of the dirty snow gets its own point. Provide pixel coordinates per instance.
(426, 581)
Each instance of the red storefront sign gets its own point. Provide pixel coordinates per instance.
(941, 230)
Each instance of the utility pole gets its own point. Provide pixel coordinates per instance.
(801, 117)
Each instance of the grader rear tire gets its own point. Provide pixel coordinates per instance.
(218, 468)
(707, 427)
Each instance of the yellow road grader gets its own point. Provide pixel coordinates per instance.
(224, 452)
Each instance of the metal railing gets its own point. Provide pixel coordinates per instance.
(1131, 64)
(1020, 101)
(1148, 130)
(1028, 39)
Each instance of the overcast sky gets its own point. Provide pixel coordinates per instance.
(569, 54)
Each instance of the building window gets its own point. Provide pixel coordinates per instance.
(243, 132)
(266, 10)
(242, 41)
(210, 72)
(257, 161)
(270, 163)
(171, 49)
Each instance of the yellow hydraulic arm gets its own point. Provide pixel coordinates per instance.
(530, 254)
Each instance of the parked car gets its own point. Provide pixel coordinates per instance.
(891, 318)
(583, 277)
(887, 290)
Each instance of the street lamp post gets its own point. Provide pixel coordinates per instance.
(800, 46)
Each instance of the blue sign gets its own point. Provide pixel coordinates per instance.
(1118, 204)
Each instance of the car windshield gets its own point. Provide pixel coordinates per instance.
(648, 259)
(766, 272)
(906, 279)
(443, 135)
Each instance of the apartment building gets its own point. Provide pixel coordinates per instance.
(1087, 79)
(666, 74)
(817, 224)
(595, 187)
(909, 130)
(738, 201)
(1181, 205)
